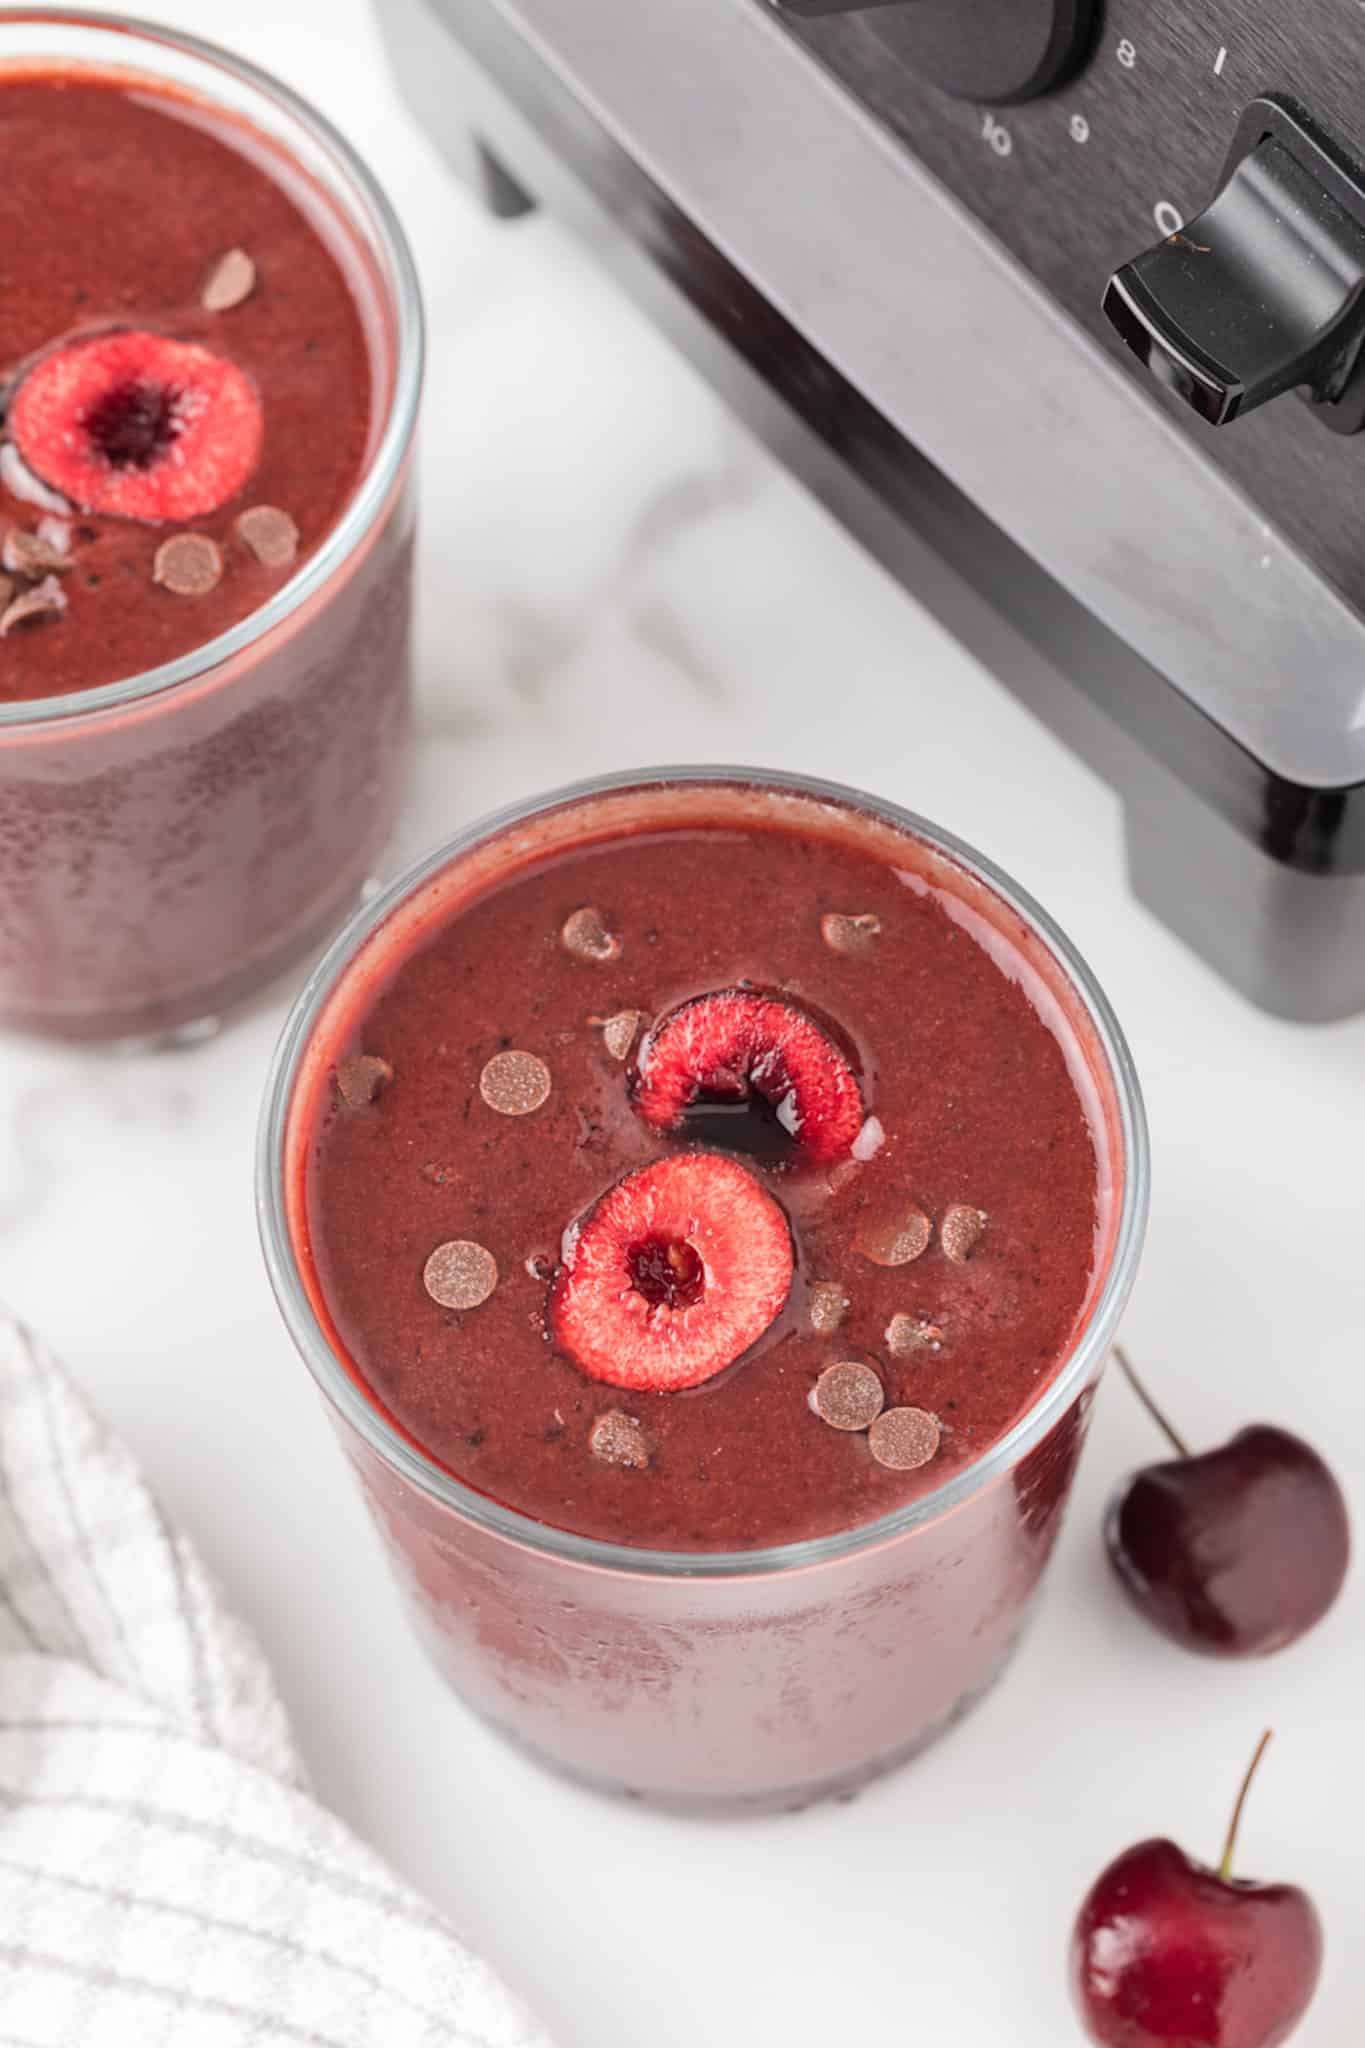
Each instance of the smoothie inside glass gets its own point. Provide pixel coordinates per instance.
(706, 1200)
(209, 365)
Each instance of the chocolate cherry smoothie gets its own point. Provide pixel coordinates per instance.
(209, 346)
(710, 1198)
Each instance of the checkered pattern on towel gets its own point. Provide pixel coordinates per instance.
(165, 1879)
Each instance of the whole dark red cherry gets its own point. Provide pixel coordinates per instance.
(1234, 1552)
(1168, 1953)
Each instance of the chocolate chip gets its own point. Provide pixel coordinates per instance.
(515, 1083)
(32, 555)
(460, 1274)
(960, 1231)
(845, 934)
(840, 1175)
(271, 535)
(231, 280)
(586, 936)
(190, 564)
(897, 1242)
(45, 599)
(848, 1396)
(904, 1438)
(618, 1439)
(362, 1078)
(618, 1032)
(906, 1335)
(826, 1306)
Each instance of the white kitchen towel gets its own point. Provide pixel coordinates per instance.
(165, 1880)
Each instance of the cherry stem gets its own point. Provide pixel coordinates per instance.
(1230, 1846)
(1172, 1435)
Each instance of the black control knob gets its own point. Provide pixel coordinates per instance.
(996, 51)
(1264, 291)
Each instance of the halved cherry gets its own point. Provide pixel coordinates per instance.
(672, 1275)
(138, 425)
(739, 1044)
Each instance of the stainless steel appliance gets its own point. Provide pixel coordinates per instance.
(1060, 305)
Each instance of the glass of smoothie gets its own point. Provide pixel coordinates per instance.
(706, 1199)
(210, 359)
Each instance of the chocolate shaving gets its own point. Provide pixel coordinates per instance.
(869, 1140)
(618, 1032)
(19, 480)
(896, 1243)
(271, 535)
(618, 1439)
(906, 1335)
(362, 1079)
(231, 280)
(190, 564)
(42, 602)
(848, 1396)
(852, 935)
(826, 1306)
(586, 936)
(460, 1274)
(515, 1083)
(30, 554)
(903, 1439)
(960, 1231)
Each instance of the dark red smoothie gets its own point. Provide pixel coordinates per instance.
(706, 1204)
(210, 349)
(968, 1108)
(141, 213)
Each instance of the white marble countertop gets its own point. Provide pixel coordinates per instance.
(613, 574)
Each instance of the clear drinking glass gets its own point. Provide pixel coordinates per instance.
(752, 1679)
(170, 841)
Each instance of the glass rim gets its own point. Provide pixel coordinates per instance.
(412, 1465)
(385, 464)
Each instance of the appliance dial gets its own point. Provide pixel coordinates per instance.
(1264, 291)
(997, 51)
